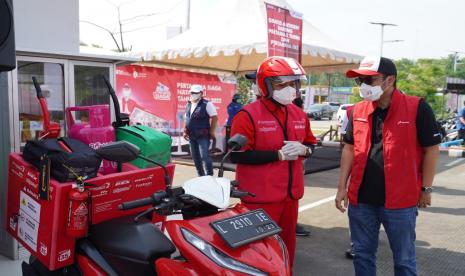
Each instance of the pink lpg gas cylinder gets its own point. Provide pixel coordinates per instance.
(93, 129)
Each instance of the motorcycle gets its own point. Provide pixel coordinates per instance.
(212, 238)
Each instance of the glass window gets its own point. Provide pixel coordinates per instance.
(90, 88)
(50, 77)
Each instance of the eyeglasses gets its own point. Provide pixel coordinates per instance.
(366, 80)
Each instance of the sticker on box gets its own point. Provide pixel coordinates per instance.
(29, 206)
(28, 230)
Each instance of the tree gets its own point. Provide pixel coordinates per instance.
(243, 88)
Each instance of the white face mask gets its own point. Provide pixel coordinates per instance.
(284, 96)
(195, 97)
(370, 93)
(126, 93)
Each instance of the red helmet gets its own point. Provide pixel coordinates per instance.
(278, 69)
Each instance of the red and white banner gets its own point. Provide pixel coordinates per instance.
(157, 97)
(284, 32)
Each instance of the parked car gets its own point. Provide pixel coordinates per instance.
(319, 111)
(334, 105)
(341, 111)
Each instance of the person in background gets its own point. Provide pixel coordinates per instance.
(254, 88)
(461, 124)
(390, 154)
(279, 138)
(201, 121)
(233, 108)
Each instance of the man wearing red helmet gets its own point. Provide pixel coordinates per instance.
(279, 137)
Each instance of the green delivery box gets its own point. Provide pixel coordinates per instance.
(153, 144)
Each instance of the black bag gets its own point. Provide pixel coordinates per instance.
(69, 158)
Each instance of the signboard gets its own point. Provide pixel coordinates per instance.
(344, 90)
(284, 32)
(157, 97)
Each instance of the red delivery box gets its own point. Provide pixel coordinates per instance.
(40, 225)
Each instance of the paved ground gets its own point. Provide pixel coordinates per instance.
(440, 229)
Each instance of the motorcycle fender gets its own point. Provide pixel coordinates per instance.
(168, 267)
(88, 267)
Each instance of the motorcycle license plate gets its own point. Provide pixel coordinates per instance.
(245, 228)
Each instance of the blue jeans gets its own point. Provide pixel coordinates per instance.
(399, 224)
(199, 152)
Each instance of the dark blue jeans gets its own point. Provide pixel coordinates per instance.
(199, 152)
(399, 224)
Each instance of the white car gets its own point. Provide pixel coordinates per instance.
(341, 112)
(342, 117)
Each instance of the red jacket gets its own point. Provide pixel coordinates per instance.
(274, 181)
(402, 152)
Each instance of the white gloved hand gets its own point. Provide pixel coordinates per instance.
(286, 157)
(294, 148)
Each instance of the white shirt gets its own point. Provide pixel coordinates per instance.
(343, 122)
(211, 109)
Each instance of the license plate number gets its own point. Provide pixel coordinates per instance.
(245, 228)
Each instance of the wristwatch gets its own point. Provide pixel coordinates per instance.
(308, 151)
(427, 190)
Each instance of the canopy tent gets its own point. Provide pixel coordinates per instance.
(234, 39)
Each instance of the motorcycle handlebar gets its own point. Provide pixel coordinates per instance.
(154, 199)
(135, 203)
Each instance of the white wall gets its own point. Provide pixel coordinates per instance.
(47, 25)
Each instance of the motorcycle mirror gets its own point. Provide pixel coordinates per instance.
(120, 151)
(237, 141)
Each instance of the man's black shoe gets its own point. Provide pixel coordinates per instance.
(350, 253)
(300, 231)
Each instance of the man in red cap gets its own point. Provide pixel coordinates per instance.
(279, 138)
(390, 154)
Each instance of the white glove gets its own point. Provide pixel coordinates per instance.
(286, 157)
(294, 148)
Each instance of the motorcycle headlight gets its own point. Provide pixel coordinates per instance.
(219, 257)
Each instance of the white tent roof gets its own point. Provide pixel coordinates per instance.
(234, 39)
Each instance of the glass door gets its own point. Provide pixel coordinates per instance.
(87, 86)
(51, 78)
(87, 83)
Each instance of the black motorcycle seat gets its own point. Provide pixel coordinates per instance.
(138, 241)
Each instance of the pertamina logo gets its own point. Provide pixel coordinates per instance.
(366, 64)
(64, 255)
(43, 249)
(162, 92)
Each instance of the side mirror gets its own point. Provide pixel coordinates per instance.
(237, 142)
(120, 151)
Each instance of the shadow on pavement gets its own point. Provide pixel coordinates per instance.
(444, 210)
(447, 191)
(324, 158)
(323, 253)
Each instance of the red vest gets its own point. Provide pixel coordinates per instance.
(274, 181)
(401, 150)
